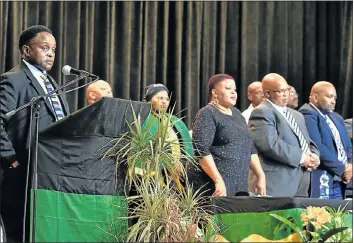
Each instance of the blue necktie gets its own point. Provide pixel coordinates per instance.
(54, 98)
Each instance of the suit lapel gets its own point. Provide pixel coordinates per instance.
(299, 124)
(282, 118)
(35, 84)
(323, 120)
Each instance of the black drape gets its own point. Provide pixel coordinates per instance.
(181, 44)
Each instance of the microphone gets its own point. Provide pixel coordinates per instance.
(8, 115)
(67, 70)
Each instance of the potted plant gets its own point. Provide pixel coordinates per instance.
(162, 209)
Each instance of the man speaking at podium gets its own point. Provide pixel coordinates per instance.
(17, 87)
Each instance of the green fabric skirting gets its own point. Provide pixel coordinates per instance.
(69, 217)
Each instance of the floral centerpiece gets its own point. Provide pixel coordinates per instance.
(320, 224)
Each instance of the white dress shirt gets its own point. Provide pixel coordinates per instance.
(247, 113)
(37, 74)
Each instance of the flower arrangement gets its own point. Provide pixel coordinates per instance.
(320, 224)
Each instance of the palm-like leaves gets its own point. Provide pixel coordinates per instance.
(162, 213)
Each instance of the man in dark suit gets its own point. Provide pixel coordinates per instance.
(17, 87)
(285, 149)
(327, 130)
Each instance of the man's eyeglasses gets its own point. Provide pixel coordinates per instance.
(280, 92)
(258, 92)
(292, 93)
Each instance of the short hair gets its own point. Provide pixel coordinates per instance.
(214, 80)
(28, 34)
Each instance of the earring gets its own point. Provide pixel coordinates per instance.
(216, 101)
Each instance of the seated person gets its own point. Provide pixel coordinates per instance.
(293, 100)
(97, 91)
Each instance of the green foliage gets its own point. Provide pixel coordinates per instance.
(166, 215)
(149, 155)
(330, 230)
(293, 226)
(163, 212)
(337, 222)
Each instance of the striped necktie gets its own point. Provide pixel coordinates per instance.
(295, 127)
(54, 99)
(342, 156)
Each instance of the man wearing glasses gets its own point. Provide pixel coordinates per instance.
(293, 101)
(279, 133)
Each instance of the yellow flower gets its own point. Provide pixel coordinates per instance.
(304, 217)
(322, 218)
(319, 216)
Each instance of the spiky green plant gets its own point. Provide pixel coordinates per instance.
(149, 155)
(163, 213)
(338, 221)
(332, 231)
(166, 215)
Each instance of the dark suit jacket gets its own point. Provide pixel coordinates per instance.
(17, 87)
(321, 134)
(279, 148)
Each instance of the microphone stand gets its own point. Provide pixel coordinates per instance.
(35, 104)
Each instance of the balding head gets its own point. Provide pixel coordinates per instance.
(97, 91)
(323, 96)
(275, 88)
(321, 87)
(255, 93)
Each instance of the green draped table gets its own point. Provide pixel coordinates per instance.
(240, 217)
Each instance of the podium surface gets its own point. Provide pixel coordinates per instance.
(80, 193)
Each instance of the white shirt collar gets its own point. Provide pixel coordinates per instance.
(281, 109)
(318, 110)
(33, 69)
(37, 74)
(250, 107)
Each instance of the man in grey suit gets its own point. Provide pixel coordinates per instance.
(286, 151)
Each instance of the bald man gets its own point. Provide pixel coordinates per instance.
(279, 133)
(97, 91)
(327, 130)
(255, 96)
(293, 101)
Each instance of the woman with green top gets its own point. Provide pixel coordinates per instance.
(177, 134)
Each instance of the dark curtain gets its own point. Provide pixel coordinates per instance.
(182, 44)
